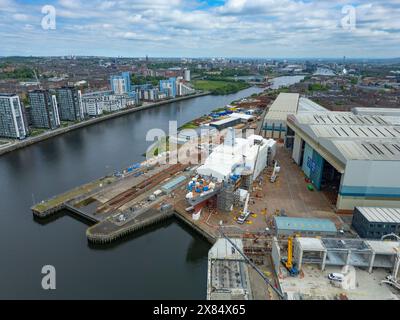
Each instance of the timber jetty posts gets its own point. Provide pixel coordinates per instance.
(104, 239)
(50, 134)
(124, 231)
(163, 216)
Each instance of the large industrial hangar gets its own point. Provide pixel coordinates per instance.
(355, 159)
(275, 120)
(286, 103)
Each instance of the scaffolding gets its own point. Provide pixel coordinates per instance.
(225, 199)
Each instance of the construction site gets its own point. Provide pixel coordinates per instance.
(275, 234)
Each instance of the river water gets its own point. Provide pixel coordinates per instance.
(168, 261)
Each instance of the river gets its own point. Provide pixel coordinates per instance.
(168, 261)
(285, 81)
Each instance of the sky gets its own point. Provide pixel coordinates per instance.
(202, 28)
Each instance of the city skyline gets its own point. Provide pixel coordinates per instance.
(233, 28)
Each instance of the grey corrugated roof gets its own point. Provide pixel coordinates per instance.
(307, 105)
(351, 137)
(375, 214)
(284, 104)
(304, 224)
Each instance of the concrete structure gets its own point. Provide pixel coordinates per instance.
(12, 120)
(70, 104)
(44, 109)
(341, 252)
(287, 226)
(228, 274)
(315, 285)
(354, 157)
(275, 119)
(373, 223)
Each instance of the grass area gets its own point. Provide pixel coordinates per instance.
(65, 124)
(317, 87)
(189, 125)
(219, 109)
(36, 132)
(3, 142)
(220, 87)
(69, 195)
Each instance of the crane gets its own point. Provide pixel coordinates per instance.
(37, 80)
(289, 262)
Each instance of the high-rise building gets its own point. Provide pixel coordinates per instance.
(121, 84)
(184, 90)
(12, 120)
(44, 109)
(169, 87)
(187, 75)
(70, 104)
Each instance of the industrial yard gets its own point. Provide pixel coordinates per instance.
(261, 193)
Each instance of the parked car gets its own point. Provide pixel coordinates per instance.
(336, 277)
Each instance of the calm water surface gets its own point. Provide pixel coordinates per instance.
(165, 262)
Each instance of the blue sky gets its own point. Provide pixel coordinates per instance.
(202, 28)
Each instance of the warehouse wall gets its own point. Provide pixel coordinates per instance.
(371, 179)
(261, 161)
(296, 155)
(370, 183)
(275, 129)
(308, 152)
(348, 203)
(313, 165)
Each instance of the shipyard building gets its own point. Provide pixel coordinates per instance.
(374, 223)
(353, 157)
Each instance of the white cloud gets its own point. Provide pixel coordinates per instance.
(20, 17)
(253, 27)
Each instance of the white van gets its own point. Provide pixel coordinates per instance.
(243, 217)
(336, 277)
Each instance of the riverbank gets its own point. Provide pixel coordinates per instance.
(52, 167)
(50, 134)
(119, 204)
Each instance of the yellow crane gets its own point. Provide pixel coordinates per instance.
(289, 262)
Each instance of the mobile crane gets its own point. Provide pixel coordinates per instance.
(289, 261)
